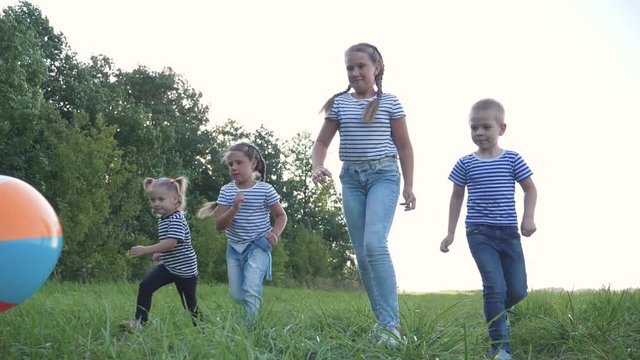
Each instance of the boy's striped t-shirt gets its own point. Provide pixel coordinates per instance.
(181, 260)
(491, 187)
(361, 140)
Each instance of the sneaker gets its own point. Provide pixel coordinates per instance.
(502, 355)
(130, 326)
(387, 337)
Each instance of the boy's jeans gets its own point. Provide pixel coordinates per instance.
(498, 254)
(370, 193)
(246, 272)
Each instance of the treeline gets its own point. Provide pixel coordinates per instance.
(85, 134)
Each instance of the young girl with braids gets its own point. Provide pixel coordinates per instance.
(242, 211)
(177, 259)
(373, 136)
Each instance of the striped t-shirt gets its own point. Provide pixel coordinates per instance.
(361, 140)
(181, 260)
(252, 220)
(491, 187)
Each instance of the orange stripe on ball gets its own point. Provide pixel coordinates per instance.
(19, 216)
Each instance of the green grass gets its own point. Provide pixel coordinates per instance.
(79, 321)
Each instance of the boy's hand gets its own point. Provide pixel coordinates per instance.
(528, 227)
(156, 257)
(444, 245)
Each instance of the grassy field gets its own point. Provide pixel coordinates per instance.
(79, 321)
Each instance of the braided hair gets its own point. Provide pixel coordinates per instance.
(376, 57)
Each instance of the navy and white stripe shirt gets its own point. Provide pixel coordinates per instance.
(181, 260)
(252, 220)
(361, 140)
(491, 187)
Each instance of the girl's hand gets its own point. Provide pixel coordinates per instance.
(239, 199)
(156, 257)
(444, 245)
(272, 238)
(319, 175)
(138, 250)
(409, 200)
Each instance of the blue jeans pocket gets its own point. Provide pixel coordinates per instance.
(387, 167)
(474, 229)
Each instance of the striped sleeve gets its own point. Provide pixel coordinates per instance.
(458, 174)
(520, 169)
(271, 196)
(225, 197)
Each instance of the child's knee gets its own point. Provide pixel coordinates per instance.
(515, 296)
(145, 287)
(236, 295)
(376, 250)
(494, 293)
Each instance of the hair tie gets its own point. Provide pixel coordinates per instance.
(173, 181)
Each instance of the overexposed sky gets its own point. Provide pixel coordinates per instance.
(567, 72)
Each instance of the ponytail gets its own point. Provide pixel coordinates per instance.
(179, 185)
(208, 209)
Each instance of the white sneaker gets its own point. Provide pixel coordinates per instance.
(388, 337)
(502, 355)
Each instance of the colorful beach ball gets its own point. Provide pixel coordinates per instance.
(30, 241)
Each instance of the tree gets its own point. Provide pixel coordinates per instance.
(308, 255)
(316, 208)
(83, 178)
(86, 135)
(22, 106)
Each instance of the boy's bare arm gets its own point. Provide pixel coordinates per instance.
(528, 226)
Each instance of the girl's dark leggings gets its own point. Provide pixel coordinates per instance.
(156, 279)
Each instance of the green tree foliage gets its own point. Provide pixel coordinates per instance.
(84, 178)
(22, 106)
(86, 134)
(311, 260)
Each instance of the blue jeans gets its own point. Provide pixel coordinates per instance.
(498, 254)
(246, 272)
(370, 193)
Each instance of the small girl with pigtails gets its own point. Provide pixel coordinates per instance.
(242, 211)
(176, 257)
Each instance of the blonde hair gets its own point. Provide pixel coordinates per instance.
(376, 58)
(486, 105)
(177, 185)
(208, 209)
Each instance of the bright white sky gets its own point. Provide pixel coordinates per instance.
(567, 72)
